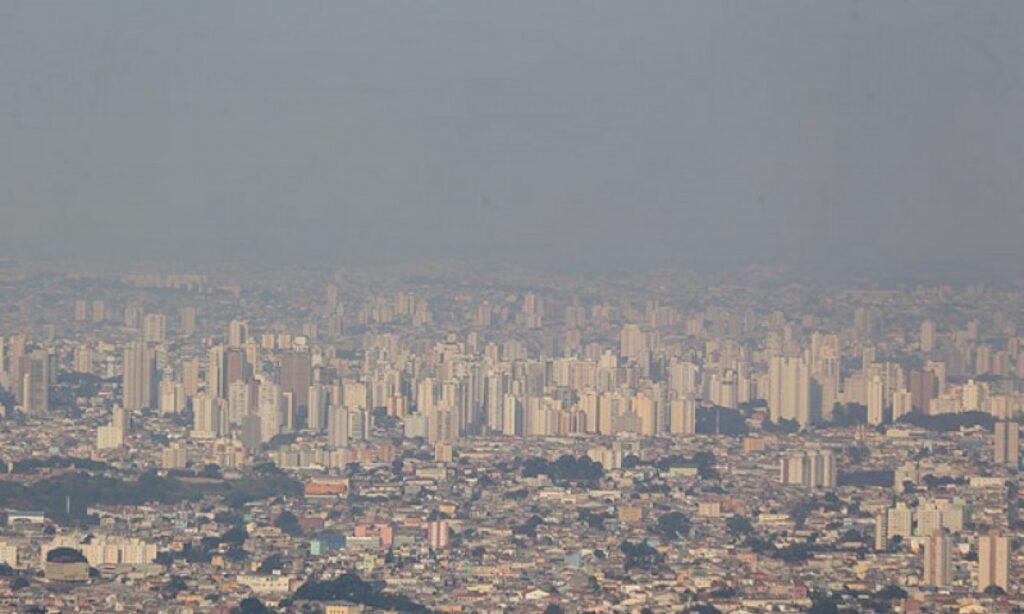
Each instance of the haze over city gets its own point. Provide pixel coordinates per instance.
(579, 136)
(554, 307)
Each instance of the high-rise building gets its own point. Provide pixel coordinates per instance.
(331, 297)
(188, 321)
(512, 416)
(938, 560)
(907, 472)
(684, 378)
(252, 353)
(683, 416)
(138, 370)
(496, 384)
(482, 317)
(354, 395)
(955, 513)
(928, 518)
(36, 373)
(425, 396)
(190, 377)
(236, 368)
(902, 404)
(790, 390)
(175, 456)
(205, 417)
(109, 437)
(269, 410)
(973, 395)
(238, 333)
(899, 521)
(938, 369)
(239, 401)
(921, 384)
(337, 427)
(444, 452)
(1012, 503)
(823, 467)
(295, 376)
(83, 359)
(17, 366)
(154, 328)
(316, 414)
(927, 336)
(81, 310)
(169, 401)
(1006, 444)
(876, 401)
(993, 562)
(867, 321)
(632, 342)
(811, 470)
(99, 311)
(439, 534)
(881, 530)
(215, 372)
(121, 418)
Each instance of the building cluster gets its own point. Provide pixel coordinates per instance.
(506, 442)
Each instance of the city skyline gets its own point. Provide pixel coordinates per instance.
(554, 306)
(669, 440)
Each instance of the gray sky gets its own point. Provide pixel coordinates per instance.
(576, 134)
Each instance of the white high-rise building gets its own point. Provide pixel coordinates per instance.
(107, 549)
(175, 456)
(881, 530)
(337, 427)
(938, 560)
(684, 378)
(36, 383)
(512, 422)
(1006, 444)
(109, 437)
(205, 417)
(424, 397)
(973, 394)
(495, 388)
(99, 311)
(239, 402)
(902, 404)
(993, 562)
(169, 403)
(790, 390)
(876, 401)
(316, 416)
(900, 521)
(683, 416)
(138, 376)
(632, 342)
(811, 470)
(238, 333)
(188, 321)
(215, 371)
(268, 402)
(154, 328)
(83, 359)
(927, 336)
(929, 520)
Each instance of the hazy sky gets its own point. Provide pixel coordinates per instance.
(581, 134)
